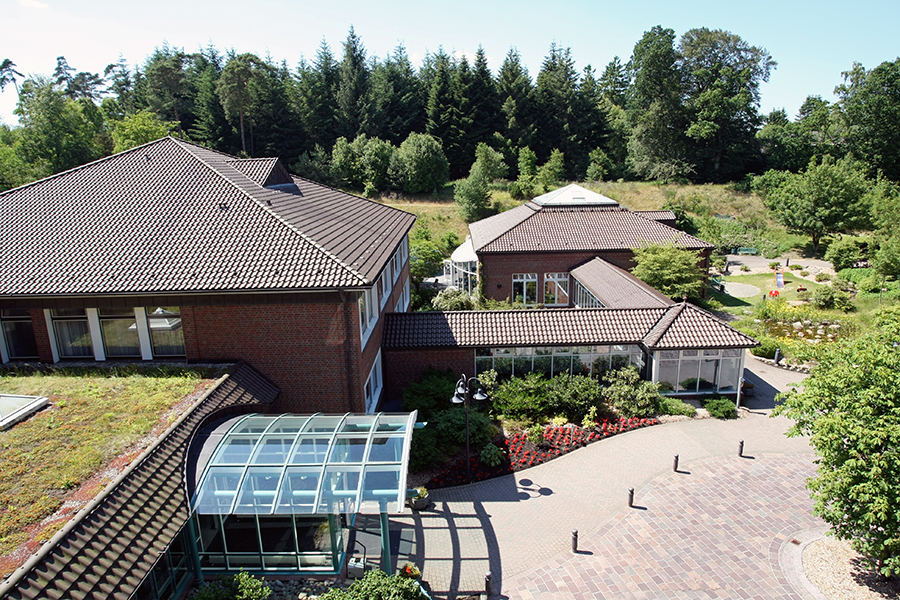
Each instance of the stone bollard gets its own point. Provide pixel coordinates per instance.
(675, 464)
(575, 541)
(488, 585)
(631, 497)
(741, 448)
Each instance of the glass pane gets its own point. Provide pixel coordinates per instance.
(619, 361)
(20, 342)
(68, 312)
(482, 365)
(392, 423)
(600, 365)
(235, 450)
(277, 534)
(310, 450)
(116, 312)
(543, 364)
(240, 534)
(620, 348)
(288, 424)
(601, 349)
(313, 535)
(273, 450)
(732, 353)
(669, 354)
(357, 424)
(73, 339)
(386, 449)
(258, 490)
(218, 489)
(522, 365)
(253, 425)
(709, 370)
(581, 364)
(120, 337)
(381, 485)
(503, 366)
(9, 313)
(668, 375)
(708, 352)
(340, 485)
(482, 352)
(562, 364)
(298, 491)
(690, 353)
(729, 374)
(688, 374)
(348, 449)
(322, 424)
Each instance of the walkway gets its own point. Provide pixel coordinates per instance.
(707, 532)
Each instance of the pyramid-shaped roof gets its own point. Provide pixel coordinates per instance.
(173, 217)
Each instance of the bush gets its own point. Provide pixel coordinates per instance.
(629, 396)
(535, 398)
(377, 585)
(453, 299)
(425, 451)
(766, 349)
(745, 268)
(430, 394)
(721, 408)
(492, 455)
(242, 586)
(820, 277)
(774, 265)
(674, 406)
(535, 434)
(795, 267)
(451, 427)
(846, 252)
(830, 297)
(804, 273)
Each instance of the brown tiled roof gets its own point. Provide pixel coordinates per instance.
(264, 171)
(657, 215)
(109, 547)
(687, 326)
(574, 228)
(617, 288)
(562, 327)
(172, 217)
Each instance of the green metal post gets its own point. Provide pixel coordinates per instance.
(386, 559)
(192, 548)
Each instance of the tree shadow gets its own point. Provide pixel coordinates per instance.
(864, 576)
(764, 394)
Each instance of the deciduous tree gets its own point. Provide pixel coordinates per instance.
(673, 271)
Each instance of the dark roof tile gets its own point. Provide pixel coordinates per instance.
(617, 288)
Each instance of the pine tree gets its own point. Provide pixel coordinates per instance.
(558, 126)
(443, 112)
(352, 88)
(484, 100)
(316, 99)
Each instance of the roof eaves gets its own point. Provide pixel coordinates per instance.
(263, 205)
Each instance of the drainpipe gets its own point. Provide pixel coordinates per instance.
(347, 350)
(192, 548)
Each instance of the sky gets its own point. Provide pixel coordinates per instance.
(813, 42)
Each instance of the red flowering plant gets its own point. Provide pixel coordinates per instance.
(410, 571)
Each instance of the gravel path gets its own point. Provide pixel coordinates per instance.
(833, 567)
(741, 290)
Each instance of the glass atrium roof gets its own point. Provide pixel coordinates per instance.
(309, 464)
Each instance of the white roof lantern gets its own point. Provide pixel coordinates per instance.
(574, 195)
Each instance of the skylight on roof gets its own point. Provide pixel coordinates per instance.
(309, 464)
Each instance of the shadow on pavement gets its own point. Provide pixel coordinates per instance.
(763, 397)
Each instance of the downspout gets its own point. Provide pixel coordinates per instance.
(347, 351)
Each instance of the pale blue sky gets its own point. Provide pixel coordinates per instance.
(813, 42)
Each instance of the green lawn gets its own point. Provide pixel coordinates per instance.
(94, 416)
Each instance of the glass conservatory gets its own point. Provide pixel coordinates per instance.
(698, 371)
(277, 491)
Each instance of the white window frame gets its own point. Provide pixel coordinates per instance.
(557, 279)
(397, 263)
(384, 285)
(524, 279)
(583, 298)
(403, 303)
(368, 314)
(374, 384)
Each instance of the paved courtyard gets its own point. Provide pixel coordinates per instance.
(712, 530)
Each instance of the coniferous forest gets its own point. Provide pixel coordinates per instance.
(677, 109)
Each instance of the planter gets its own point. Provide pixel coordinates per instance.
(420, 503)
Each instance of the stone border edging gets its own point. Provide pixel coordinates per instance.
(787, 556)
(772, 363)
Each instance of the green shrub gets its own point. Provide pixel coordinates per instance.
(766, 349)
(822, 276)
(846, 252)
(377, 585)
(559, 421)
(424, 451)
(453, 299)
(804, 273)
(774, 265)
(492, 455)
(674, 406)
(431, 394)
(629, 396)
(829, 297)
(536, 398)
(721, 408)
(451, 427)
(535, 434)
(745, 268)
(242, 586)
(590, 419)
(795, 267)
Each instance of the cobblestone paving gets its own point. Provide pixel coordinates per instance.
(714, 533)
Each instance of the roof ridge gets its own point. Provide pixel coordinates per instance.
(85, 165)
(278, 218)
(665, 321)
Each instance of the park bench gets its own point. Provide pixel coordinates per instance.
(749, 251)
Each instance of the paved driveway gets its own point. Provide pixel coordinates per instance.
(706, 532)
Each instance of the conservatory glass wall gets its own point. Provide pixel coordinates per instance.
(698, 371)
(553, 360)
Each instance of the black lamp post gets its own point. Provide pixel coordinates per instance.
(464, 395)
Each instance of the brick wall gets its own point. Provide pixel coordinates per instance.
(402, 367)
(41, 335)
(300, 347)
(497, 269)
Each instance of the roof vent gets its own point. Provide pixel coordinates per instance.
(268, 202)
(223, 206)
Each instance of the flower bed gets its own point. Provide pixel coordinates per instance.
(520, 453)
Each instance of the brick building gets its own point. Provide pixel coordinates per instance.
(173, 251)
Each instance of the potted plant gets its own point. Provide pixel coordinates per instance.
(410, 571)
(421, 500)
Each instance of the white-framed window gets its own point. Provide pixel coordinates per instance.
(368, 313)
(71, 333)
(584, 298)
(525, 288)
(374, 384)
(403, 303)
(397, 263)
(17, 339)
(166, 336)
(404, 250)
(384, 285)
(556, 289)
(118, 327)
